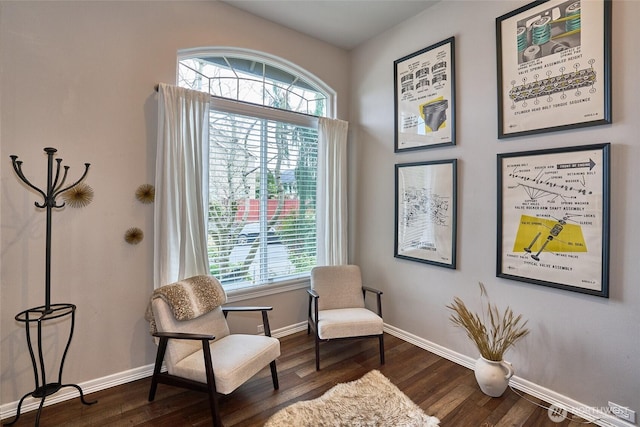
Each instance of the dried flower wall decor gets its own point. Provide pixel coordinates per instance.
(146, 193)
(79, 196)
(133, 236)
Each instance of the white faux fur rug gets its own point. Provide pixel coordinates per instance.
(371, 401)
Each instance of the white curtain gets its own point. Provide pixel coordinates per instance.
(331, 200)
(180, 216)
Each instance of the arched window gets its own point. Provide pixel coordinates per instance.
(256, 78)
(262, 164)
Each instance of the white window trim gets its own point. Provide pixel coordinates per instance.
(268, 289)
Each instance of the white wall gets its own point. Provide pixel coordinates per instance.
(80, 76)
(583, 347)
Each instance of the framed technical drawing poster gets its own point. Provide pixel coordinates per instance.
(426, 212)
(554, 66)
(425, 98)
(553, 218)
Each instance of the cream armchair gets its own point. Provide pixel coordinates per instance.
(337, 307)
(196, 345)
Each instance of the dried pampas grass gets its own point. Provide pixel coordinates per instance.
(494, 339)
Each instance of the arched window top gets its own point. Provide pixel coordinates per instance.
(254, 77)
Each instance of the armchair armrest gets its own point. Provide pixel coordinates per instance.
(313, 307)
(375, 291)
(264, 310)
(232, 308)
(378, 293)
(184, 336)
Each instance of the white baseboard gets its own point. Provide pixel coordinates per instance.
(597, 416)
(66, 393)
(9, 410)
(289, 330)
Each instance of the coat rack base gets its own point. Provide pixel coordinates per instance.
(37, 316)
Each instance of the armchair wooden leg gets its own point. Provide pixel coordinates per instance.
(381, 340)
(154, 387)
(317, 353)
(215, 414)
(274, 375)
(162, 348)
(211, 385)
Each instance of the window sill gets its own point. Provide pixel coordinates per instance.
(268, 289)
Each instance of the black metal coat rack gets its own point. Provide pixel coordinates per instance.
(39, 315)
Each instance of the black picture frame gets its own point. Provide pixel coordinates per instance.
(553, 218)
(554, 67)
(425, 98)
(426, 212)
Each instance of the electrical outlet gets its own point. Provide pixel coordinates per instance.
(261, 329)
(622, 412)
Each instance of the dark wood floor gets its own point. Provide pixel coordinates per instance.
(440, 387)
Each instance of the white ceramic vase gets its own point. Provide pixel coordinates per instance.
(493, 377)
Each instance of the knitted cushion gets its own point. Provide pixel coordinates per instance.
(188, 298)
